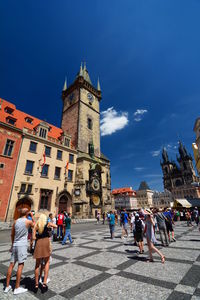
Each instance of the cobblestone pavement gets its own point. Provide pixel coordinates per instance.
(95, 267)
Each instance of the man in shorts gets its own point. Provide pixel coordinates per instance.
(124, 222)
(18, 250)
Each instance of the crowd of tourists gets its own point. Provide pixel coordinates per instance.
(142, 223)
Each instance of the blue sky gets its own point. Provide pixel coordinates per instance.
(146, 54)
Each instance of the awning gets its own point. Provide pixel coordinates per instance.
(183, 203)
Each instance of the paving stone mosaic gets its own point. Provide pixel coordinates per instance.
(96, 267)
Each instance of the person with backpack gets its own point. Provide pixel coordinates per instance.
(139, 227)
(160, 218)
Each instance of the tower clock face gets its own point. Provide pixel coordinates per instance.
(90, 97)
(95, 184)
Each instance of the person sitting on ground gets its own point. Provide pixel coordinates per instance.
(139, 227)
(19, 235)
(67, 230)
(42, 249)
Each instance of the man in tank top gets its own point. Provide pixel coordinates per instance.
(19, 236)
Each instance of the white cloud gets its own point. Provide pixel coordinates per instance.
(112, 121)
(139, 169)
(138, 114)
(155, 153)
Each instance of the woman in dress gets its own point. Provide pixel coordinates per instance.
(42, 250)
(149, 230)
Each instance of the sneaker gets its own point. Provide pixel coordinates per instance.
(7, 289)
(48, 280)
(19, 290)
(40, 281)
(174, 239)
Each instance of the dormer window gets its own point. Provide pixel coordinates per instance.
(11, 121)
(29, 120)
(42, 133)
(66, 142)
(9, 110)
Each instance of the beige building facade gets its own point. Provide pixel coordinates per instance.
(42, 179)
(162, 199)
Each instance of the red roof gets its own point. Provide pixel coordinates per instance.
(124, 190)
(20, 119)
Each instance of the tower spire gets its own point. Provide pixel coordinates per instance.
(98, 85)
(81, 70)
(65, 85)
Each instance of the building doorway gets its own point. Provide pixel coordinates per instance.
(25, 202)
(65, 203)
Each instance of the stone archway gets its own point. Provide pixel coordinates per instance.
(65, 202)
(24, 202)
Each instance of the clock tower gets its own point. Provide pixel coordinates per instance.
(81, 121)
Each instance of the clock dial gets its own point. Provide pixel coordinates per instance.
(90, 97)
(95, 184)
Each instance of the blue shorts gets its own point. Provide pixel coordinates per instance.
(112, 228)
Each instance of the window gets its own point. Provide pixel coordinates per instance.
(29, 167)
(43, 133)
(91, 149)
(11, 121)
(70, 175)
(29, 120)
(45, 199)
(71, 158)
(33, 147)
(47, 151)
(26, 188)
(67, 142)
(23, 188)
(2, 166)
(89, 121)
(9, 148)
(29, 189)
(59, 154)
(57, 173)
(45, 170)
(9, 110)
(44, 202)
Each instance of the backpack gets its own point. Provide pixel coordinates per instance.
(138, 226)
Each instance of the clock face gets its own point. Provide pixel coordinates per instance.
(95, 184)
(90, 97)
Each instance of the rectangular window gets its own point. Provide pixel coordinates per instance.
(59, 154)
(70, 175)
(47, 151)
(29, 167)
(57, 173)
(43, 133)
(45, 171)
(44, 202)
(71, 158)
(11, 121)
(67, 142)
(29, 189)
(33, 147)
(2, 166)
(45, 199)
(23, 188)
(9, 110)
(29, 120)
(89, 121)
(9, 148)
